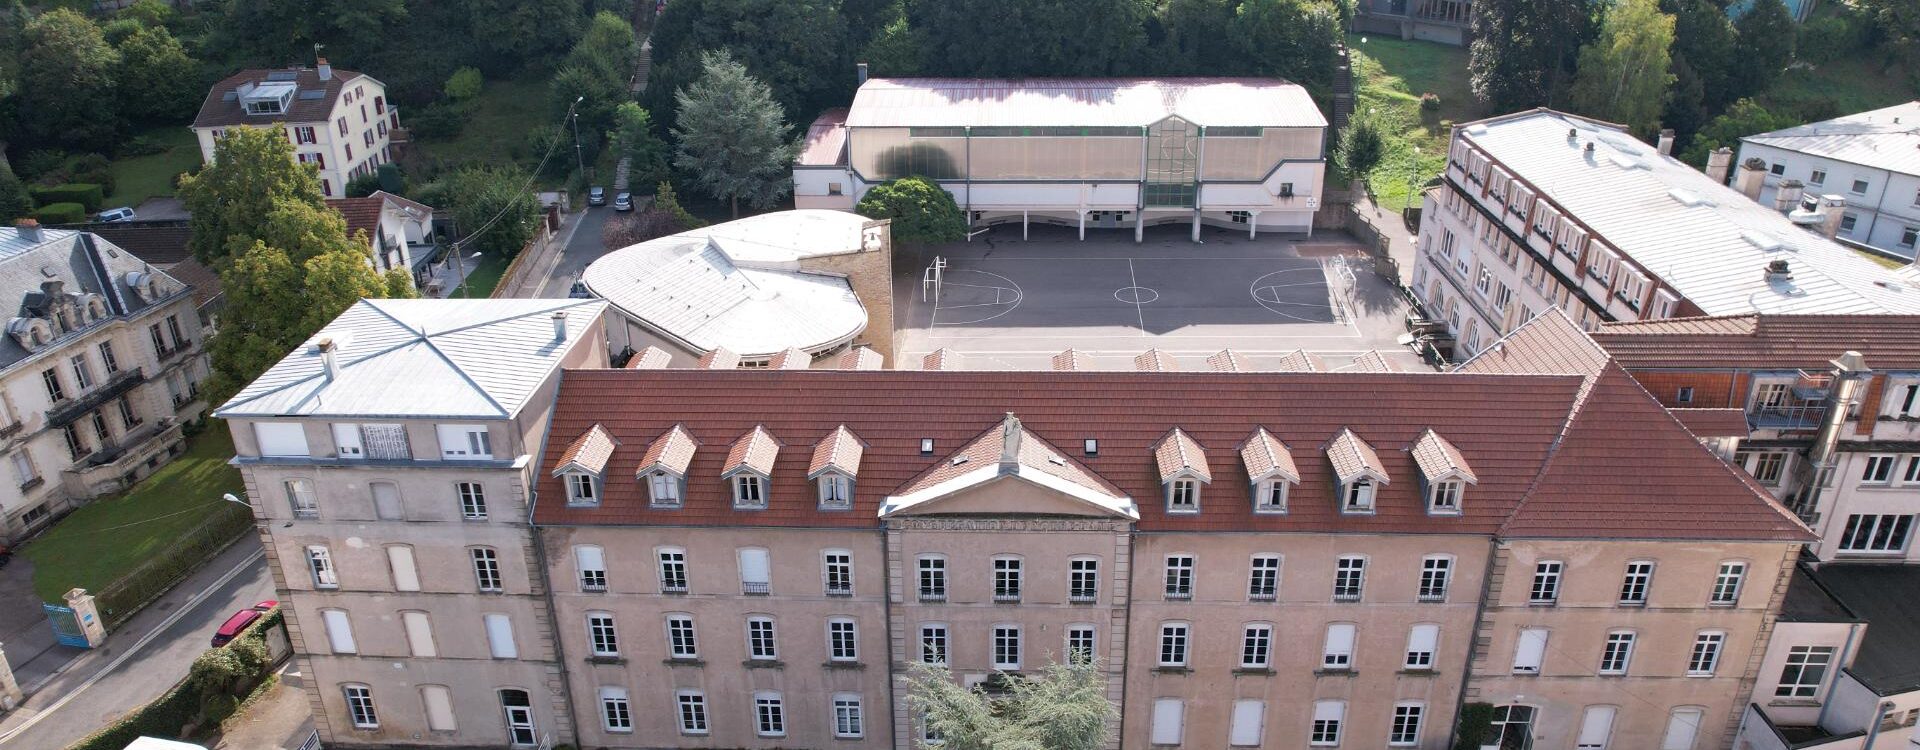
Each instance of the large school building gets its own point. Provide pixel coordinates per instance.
(1088, 153)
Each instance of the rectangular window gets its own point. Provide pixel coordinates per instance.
(1769, 467)
(770, 715)
(1422, 640)
(1848, 221)
(1875, 533)
(1805, 672)
(1546, 583)
(581, 490)
(473, 500)
(128, 418)
(1859, 187)
(838, 572)
(1909, 236)
(664, 489)
(1006, 647)
(76, 447)
(615, 714)
(1907, 396)
(360, 707)
(281, 438)
(756, 571)
(1263, 578)
(592, 565)
(1879, 470)
(762, 643)
(339, 631)
(846, 717)
(1435, 572)
(1179, 577)
(1633, 588)
(601, 637)
(933, 644)
(1080, 644)
(320, 564)
(1256, 646)
(1684, 395)
(933, 579)
(500, 643)
(1596, 727)
(1706, 654)
(82, 374)
(681, 643)
(1169, 714)
(173, 332)
(836, 492)
(1083, 579)
(1349, 578)
(1338, 651)
(1359, 496)
(1327, 716)
(438, 702)
(1683, 727)
(1615, 656)
(1270, 497)
(1405, 731)
(1726, 583)
(747, 492)
(1006, 579)
(1173, 644)
(1817, 177)
(1445, 497)
(1529, 651)
(693, 712)
(160, 347)
(464, 442)
(673, 571)
(843, 640)
(1183, 496)
(486, 569)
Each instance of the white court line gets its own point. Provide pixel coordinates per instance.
(1130, 352)
(1096, 257)
(1138, 310)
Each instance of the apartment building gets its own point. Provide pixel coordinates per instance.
(388, 461)
(1870, 159)
(338, 120)
(753, 558)
(101, 363)
(1543, 209)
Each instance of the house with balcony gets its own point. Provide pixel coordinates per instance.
(399, 232)
(338, 120)
(99, 367)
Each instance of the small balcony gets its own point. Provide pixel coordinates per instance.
(1083, 597)
(756, 588)
(1007, 597)
(68, 411)
(1791, 414)
(933, 595)
(1179, 594)
(839, 590)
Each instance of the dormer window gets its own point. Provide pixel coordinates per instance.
(582, 489)
(1270, 496)
(1443, 473)
(1357, 472)
(1444, 496)
(749, 492)
(664, 467)
(1358, 496)
(583, 464)
(835, 464)
(749, 467)
(836, 492)
(1270, 470)
(1183, 468)
(270, 98)
(663, 489)
(1183, 496)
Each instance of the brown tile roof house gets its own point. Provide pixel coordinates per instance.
(220, 110)
(1764, 341)
(1548, 462)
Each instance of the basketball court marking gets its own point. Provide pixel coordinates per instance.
(974, 300)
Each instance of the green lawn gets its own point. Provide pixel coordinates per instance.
(137, 178)
(1854, 84)
(1389, 77)
(95, 545)
(483, 278)
(496, 129)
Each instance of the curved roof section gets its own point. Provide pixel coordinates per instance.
(739, 285)
(1090, 102)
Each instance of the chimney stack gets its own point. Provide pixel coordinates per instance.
(1787, 196)
(29, 229)
(328, 360)
(325, 70)
(1719, 164)
(1753, 174)
(1831, 209)
(860, 73)
(560, 326)
(1666, 141)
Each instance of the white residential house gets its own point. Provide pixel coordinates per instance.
(338, 120)
(1871, 159)
(399, 231)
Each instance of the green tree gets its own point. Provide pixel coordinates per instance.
(1191, 32)
(230, 198)
(1288, 39)
(596, 94)
(799, 48)
(732, 136)
(633, 137)
(1703, 35)
(66, 93)
(1361, 148)
(1897, 25)
(1030, 37)
(1623, 74)
(1523, 51)
(490, 205)
(14, 201)
(1744, 118)
(923, 213)
(362, 186)
(896, 50)
(1686, 110)
(514, 32)
(349, 29)
(1064, 707)
(464, 84)
(157, 79)
(664, 199)
(607, 46)
(152, 14)
(1763, 47)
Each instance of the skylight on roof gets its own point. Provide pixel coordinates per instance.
(1626, 161)
(1763, 240)
(311, 94)
(283, 75)
(1688, 198)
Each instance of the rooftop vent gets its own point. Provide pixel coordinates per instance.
(1480, 129)
(1589, 148)
(1762, 240)
(1777, 270)
(1626, 161)
(1688, 198)
(960, 459)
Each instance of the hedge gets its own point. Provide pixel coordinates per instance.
(87, 194)
(194, 704)
(50, 214)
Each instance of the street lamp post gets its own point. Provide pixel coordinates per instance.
(579, 161)
(461, 263)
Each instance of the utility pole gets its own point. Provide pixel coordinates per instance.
(579, 161)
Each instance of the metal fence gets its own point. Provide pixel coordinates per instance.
(140, 586)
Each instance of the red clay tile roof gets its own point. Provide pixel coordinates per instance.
(719, 359)
(672, 451)
(1177, 453)
(1353, 458)
(1547, 344)
(1764, 341)
(826, 141)
(215, 111)
(755, 451)
(838, 451)
(1372, 360)
(160, 243)
(1154, 360)
(1010, 445)
(590, 451)
(1708, 423)
(1650, 480)
(1438, 459)
(862, 358)
(650, 358)
(940, 359)
(1265, 457)
(1072, 359)
(1228, 360)
(362, 215)
(1299, 360)
(793, 358)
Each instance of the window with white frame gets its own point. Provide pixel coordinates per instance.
(1878, 470)
(1726, 584)
(1805, 671)
(1436, 572)
(762, 642)
(301, 499)
(464, 442)
(756, 571)
(673, 570)
(1705, 657)
(1349, 578)
(836, 491)
(1083, 579)
(1263, 578)
(748, 492)
(1173, 644)
(1006, 647)
(1768, 467)
(1905, 400)
(1618, 652)
(1080, 644)
(1868, 533)
(1249, 717)
(837, 572)
(274, 438)
(769, 715)
(933, 643)
(590, 561)
(847, 720)
(486, 568)
(1529, 651)
(1256, 646)
(1596, 728)
(1359, 496)
(1327, 716)
(473, 500)
(692, 706)
(682, 642)
(1270, 496)
(437, 703)
(1683, 728)
(663, 489)
(360, 709)
(400, 564)
(616, 714)
(843, 639)
(1337, 653)
(933, 578)
(1444, 496)
(1179, 577)
(500, 643)
(1006, 579)
(1909, 236)
(582, 489)
(1169, 718)
(1634, 585)
(1422, 641)
(320, 564)
(1405, 730)
(1546, 582)
(1183, 496)
(339, 629)
(602, 640)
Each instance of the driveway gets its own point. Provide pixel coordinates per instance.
(583, 248)
(162, 209)
(23, 627)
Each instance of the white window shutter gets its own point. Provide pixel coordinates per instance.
(754, 566)
(346, 441)
(500, 637)
(1682, 726)
(1340, 638)
(1168, 713)
(439, 704)
(589, 558)
(1530, 651)
(419, 633)
(1596, 727)
(1329, 711)
(1424, 638)
(281, 438)
(339, 631)
(1248, 716)
(406, 577)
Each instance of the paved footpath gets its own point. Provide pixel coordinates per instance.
(143, 658)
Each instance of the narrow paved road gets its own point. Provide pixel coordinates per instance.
(585, 248)
(95, 691)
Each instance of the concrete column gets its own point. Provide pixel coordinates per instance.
(10, 695)
(1196, 225)
(1083, 225)
(88, 616)
(1139, 227)
(1023, 225)
(1253, 224)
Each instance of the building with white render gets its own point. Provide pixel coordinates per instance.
(339, 120)
(1542, 209)
(1080, 152)
(1871, 159)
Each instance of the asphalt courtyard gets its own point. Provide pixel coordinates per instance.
(1003, 302)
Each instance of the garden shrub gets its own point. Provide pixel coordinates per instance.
(87, 194)
(60, 213)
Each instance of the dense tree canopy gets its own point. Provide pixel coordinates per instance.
(798, 48)
(66, 89)
(474, 196)
(1063, 707)
(633, 137)
(1019, 38)
(1623, 74)
(158, 81)
(923, 213)
(1704, 36)
(1524, 51)
(232, 197)
(732, 136)
(1764, 47)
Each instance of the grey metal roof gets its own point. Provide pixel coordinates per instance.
(81, 264)
(1886, 138)
(1888, 598)
(1707, 247)
(1090, 102)
(477, 359)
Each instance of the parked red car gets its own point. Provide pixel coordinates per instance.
(238, 623)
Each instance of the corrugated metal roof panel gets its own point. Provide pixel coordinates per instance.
(1887, 138)
(1092, 102)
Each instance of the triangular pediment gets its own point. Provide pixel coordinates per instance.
(1008, 495)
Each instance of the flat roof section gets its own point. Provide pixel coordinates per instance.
(1089, 102)
(1888, 598)
(1887, 138)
